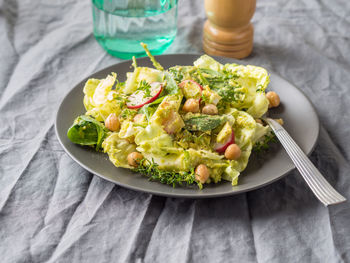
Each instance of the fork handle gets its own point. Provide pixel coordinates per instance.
(318, 184)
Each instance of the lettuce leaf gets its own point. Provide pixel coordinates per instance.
(171, 86)
(152, 140)
(252, 82)
(155, 144)
(118, 149)
(244, 128)
(89, 90)
(103, 88)
(141, 73)
(243, 87)
(101, 112)
(128, 130)
(99, 98)
(150, 108)
(230, 174)
(171, 103)
(207, 62)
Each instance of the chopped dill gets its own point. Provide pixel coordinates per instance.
(146, 87)
(262, 146)
(126, 113)
(150, 169)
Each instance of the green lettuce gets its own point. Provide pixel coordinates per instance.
(207, 62)
(99, 99)
(152, 139)
(241, 86)
(244, 128)
(155, 144)
(141, 73)
(118, 149)
(253, 82)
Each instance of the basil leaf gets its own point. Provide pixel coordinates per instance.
(87, 131)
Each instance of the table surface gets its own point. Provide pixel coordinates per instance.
(52, 210)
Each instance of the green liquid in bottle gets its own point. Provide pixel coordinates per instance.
(120, 25)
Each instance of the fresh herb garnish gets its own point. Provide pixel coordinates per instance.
(203, 122)
(222, 83)
(150, 108)
(201, 79)
(177, 73)
(205, 99)
(151, 170)
(127, 113)
(145, 87)
(262, 146)
(229, 94)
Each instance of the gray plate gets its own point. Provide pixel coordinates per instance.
(299, 115)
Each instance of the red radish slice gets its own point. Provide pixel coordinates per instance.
(138, 99)
(191, 88)
(221, 147)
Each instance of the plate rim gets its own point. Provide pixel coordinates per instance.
(182, 195)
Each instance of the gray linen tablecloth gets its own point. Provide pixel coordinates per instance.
(52, 210)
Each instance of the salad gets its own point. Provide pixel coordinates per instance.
(189, 125)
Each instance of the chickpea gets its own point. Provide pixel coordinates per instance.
(112, 123)
(233, 152)
(274, 99)
(191, 105)
(201, 173)
(134, 158)
(210, 109)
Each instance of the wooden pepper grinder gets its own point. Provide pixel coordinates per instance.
(228, 31)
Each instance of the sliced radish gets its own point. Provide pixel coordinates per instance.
(138, 99)
(191, 89)
(221, 147)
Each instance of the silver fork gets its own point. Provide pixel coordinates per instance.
(318, 184)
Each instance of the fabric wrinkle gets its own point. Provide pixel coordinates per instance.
(145, 230)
